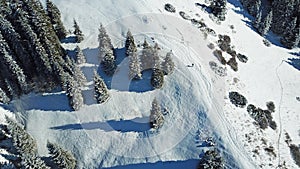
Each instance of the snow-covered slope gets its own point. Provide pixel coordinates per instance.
(115, 135)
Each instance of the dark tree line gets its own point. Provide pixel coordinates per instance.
(280, 16)
(31, 56)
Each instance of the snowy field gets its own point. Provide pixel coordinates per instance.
(116, 135)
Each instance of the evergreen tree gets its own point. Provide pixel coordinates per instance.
(257, 22)
(157, 78)
(62, 158)
(292, 38)
(108, 64)
(80, 58)
(55, 17)
(77, 32)
(211, 160)
(74, 94)
(33, 162)
(134, 66)
(22, 141)
(3, 97)
(254, 9)
(75, 71)
(129, 44)
(266, 24)
(168, 64)
(147, 57)
(156, 116)
(155, 57)
(101, 92)
(283, 10)
(105, 45)
(219, 9)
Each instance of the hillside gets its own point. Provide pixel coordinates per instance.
(195, 97)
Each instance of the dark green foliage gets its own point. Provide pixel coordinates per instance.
(219, 9)
(101, 92)
(156, 116)
(237, 99)
(265, 25)
(292, 38)
(224, 42)
(295, 152)
(55, 18)
(62, 158)
(211, 160)
(157, 78)
(77, 32)
(3, 97)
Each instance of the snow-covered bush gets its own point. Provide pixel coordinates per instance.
(218, 69)
(170, 8)
(218, 53)
(237, 99)
(262, 117)
(242, 58)
(211, 160)
(271, 106)
(219, 9)
(295, 152)
(233, 64)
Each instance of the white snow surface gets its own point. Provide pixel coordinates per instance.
(116, 135)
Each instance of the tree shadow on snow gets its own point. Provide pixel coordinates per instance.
(295, 62)
(133, 125)
(187, 164)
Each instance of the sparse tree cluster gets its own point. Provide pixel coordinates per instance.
(211, 160)
(156, 116)
(26, 146)
(61, 157)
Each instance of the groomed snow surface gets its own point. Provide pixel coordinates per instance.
(116, 134)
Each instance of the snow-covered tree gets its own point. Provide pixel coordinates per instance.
(254, 9)
(32, 162)
(105, 45)
(134, 66)
(77, 32)
(62, 158)
(219, 9)
(75, 71)
(155, 57)
(157, 78)
(257, 21)
(156, 116)
(22, 141)
(211, 160)
(168, 64)
(80, 58)
(55, 17)
(3, 97)
(292, 38)
(108, 64)
(266, 24)
(74, 94)
(129, 44)
(101, 91)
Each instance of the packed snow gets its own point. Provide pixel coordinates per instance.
(116, 134)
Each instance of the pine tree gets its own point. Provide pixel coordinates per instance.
(292, 38)
(33, 162)
(101, 91)
(147, 57)
(219, 9)
(257, 21)
(105, 45)
(74, 94)
(3, 97)
(155, 57)
(134, 66)
(80, 58)
(75, 71)
(62, 158)
(156, 116)
(254, 9)
(77, 32)
(168, 64)
(266, 24)
(157, 78)
(55, 17)
(108, 64)
(129, 44)
(283, 10)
